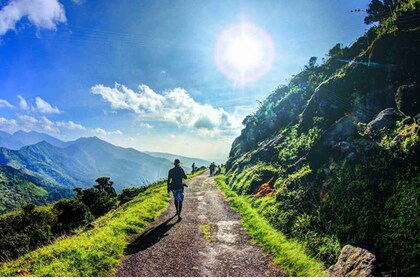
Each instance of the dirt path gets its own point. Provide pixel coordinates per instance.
(178, 248)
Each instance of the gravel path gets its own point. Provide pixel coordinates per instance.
(208, 241)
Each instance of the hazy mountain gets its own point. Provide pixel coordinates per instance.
(82, 161)
(21, 138)
(186, 162)
(18, 187)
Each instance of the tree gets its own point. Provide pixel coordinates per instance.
(312, 62)
(71, 214)
(379, 10)
(105, 183)
(335, 51)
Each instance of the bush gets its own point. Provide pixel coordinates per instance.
(71, 214)
(128, 194)
(98, 201)
(24, 231)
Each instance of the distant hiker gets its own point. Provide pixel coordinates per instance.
(212, 165)
(175, 185)
(219, 169)
(193, 167)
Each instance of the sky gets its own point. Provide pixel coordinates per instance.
(160, 75)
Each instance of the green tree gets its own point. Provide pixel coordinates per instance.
(105, 183)
(71, 214)
(379, 10)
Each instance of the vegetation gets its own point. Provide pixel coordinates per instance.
(18, 188)
(32, 227)
(94, 252)
(290, 255)
(339, 169)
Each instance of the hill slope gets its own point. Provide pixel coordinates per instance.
(82, 161)
(21, 138)
(332, 158)
(17, 188)
(186, 162)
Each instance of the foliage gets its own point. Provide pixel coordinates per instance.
(18, 188)
(95, 252)
(25, 230)
(71, 214)
(336, 183)
(98, 201)
(128, 194)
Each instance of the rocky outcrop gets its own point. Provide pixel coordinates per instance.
(354, 262)
(385, 119)
(408, 99)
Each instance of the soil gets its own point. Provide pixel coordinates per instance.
(209, 240)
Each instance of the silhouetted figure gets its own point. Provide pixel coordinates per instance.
(218, 170)
(212, 166)
(193, 167)
(175, 185)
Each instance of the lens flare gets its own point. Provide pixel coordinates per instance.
(244, 53)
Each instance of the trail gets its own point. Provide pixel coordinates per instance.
(178, 248)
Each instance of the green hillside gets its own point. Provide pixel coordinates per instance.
(17, 188)
(332, 158)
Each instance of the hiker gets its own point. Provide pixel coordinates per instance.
(193, 167)
(211, 168)
(175, 185)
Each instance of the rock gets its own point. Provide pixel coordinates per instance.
(354, 262)
(351, 157)
(416, 119)
(342, 146)
(408, 99)
(23, 272)
(407, 120)
(386, 118)
(91, 225)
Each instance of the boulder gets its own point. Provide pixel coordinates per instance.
(354, 262)
(408, 99)
(385, 119)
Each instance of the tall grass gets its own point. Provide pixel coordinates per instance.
(95, 252)
(288, 254)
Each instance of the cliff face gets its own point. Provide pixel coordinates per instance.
(339, 145)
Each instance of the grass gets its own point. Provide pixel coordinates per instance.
(288, 254)
(95, 252)
(206, 232)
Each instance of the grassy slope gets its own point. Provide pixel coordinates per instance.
(290, 255)
(95, 252)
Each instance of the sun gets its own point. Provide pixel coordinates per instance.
(244, 53)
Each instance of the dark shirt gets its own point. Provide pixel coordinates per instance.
(176, 174)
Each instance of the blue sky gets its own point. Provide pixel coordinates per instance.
(143, 74)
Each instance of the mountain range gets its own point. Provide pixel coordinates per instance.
(55, 166)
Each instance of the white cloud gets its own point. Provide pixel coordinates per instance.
(8, 125)
(40, 106)
(100, 131)
(70, 125)
(146, 125)
(25, 119)
(44, 107)
(41, 124)
(5, 103)
(44, 14)
(23, 104)
(175, 106)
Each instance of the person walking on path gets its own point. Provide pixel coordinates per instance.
(193, 167)
(175, 185)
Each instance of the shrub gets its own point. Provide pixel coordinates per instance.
(71, 214)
